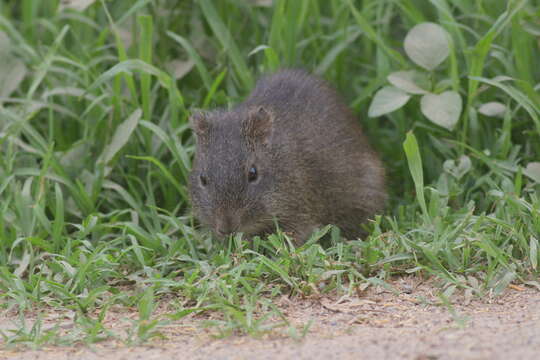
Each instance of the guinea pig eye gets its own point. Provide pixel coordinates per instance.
(252, 174)
(203, 180)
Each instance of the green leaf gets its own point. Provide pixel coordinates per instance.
(482, 47)
(412, 82)
(492, 109)
(427, 45)
(226, 40)
(458, 168)
(195, 57)
(79, 5)
(145, 23)
(386, 100)
(121, 136)
(179, 68)
(523, 100)
(164, 171)
(443, 109)
(127, 67)
(374, 35)
(59, 223)
(12, 70)
(533, 171)
(533, 252)
(146, 304)
(412, 151)
(334, 53)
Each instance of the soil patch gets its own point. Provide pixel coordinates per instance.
(374, 324)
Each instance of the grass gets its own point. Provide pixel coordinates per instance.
(95, 150)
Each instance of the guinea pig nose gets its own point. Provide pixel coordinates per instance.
(224, 226)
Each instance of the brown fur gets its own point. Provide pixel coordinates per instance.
(314, 165)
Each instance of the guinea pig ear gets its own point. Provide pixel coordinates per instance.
(199, 123)
(258, 125)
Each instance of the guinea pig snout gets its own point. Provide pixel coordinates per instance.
(226, 225)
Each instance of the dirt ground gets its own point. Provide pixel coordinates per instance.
(376, 324)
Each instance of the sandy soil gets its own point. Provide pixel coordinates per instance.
(375, 324)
